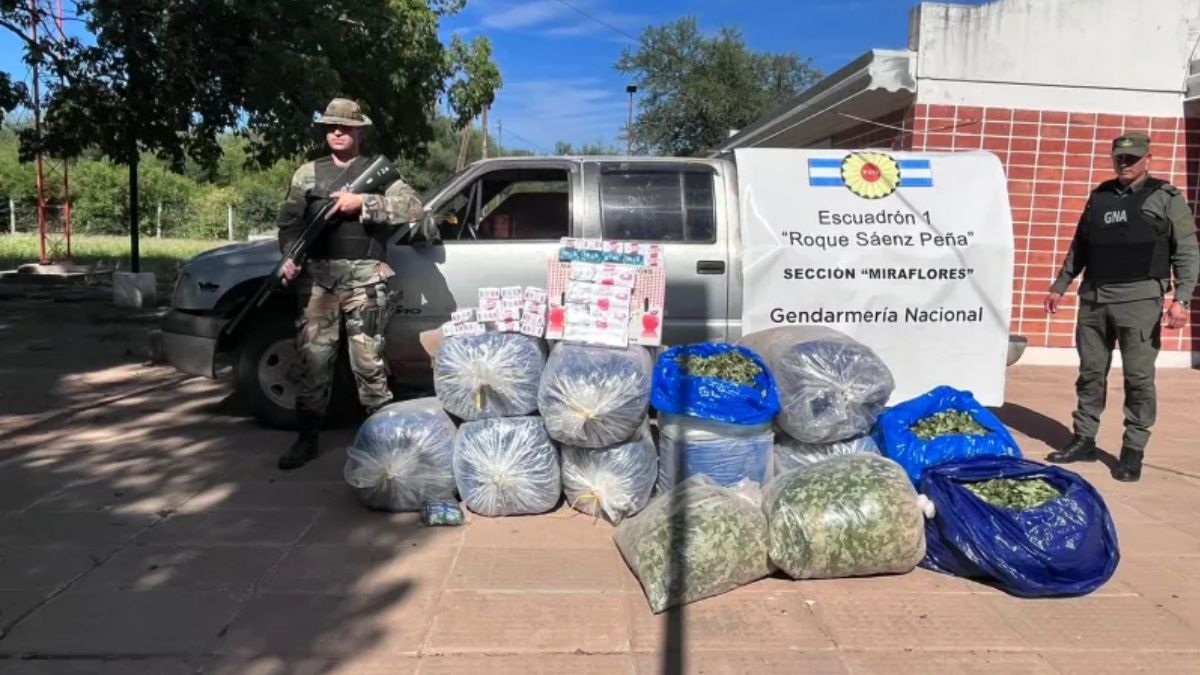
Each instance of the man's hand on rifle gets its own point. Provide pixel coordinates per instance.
(347, 203)
(290, 271)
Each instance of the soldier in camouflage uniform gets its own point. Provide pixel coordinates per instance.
(345, 274)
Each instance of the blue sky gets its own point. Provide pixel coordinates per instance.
(559, 80)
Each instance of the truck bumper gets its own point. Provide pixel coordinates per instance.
(190, 342)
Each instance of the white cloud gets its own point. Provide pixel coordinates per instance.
(524, 15)
(554, 19)
(578, 110)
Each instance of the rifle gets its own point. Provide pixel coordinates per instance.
(381, 172)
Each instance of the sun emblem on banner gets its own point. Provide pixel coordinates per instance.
(871, 175)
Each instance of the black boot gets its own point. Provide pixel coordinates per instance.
(1129, 469)
(304, 449)
(1081, 449)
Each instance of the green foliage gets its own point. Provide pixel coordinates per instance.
(729, 366)
(172, 76)
(477, 79)
(587, 149)
(1012, 493)
(948, 423)
(695, 88)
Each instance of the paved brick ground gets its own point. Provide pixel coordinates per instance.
(144, 529)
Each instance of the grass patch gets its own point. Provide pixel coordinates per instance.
(163, 257)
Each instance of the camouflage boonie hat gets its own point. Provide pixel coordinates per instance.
(344, 112)
(1131, 144)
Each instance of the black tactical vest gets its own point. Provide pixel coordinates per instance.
(1123, 243)
(345, 237)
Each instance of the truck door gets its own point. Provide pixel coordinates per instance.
(507, 222)
(675, 204)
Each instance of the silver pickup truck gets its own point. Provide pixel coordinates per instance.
(502, 220)
(508, 217)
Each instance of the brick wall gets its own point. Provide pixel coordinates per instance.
(888, 131)
(1053, 159)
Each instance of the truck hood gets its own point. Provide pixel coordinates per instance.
(208, 276)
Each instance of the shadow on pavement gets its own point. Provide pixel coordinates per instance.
(1035, 425)
(142, 517)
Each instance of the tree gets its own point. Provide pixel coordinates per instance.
(592, 149)
(477, 79)
(697, 88)
(170, 76)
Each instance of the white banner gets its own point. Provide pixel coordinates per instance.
(908, 253)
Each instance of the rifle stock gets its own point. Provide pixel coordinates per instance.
(379, 173)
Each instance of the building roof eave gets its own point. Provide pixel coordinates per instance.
(878, 70)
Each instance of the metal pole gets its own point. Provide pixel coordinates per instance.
(229, 220)
(500, 137)
(631, 90)
(12, 216)
(135, 264)
(158, 221)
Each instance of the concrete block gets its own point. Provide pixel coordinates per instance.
(134, 290)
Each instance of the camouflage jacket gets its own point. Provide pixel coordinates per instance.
(398, 205)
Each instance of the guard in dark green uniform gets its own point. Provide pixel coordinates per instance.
(1135, 233)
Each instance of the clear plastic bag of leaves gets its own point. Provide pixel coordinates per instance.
(854, 515)
(696, 541)
(507, 466)
(489, 375)
(831, 387)
(616, 481)
(402, 456)
(793, 454)
(594, 397)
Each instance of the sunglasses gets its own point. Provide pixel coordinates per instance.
(1128, 160)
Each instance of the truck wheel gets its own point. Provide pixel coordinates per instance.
(265, 357)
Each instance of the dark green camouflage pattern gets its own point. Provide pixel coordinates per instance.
(330, 290)
(853, 515)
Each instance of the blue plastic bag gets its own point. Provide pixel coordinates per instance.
(894, 436)
(676, 392)
(1067, 546)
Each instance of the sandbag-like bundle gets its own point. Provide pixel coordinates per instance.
(506, 466)
(616, 481)
(854, 515)
(695, 541)
(792, 454)
(1064, 546)
(593, 397)
(403, 456)
(727, 453)
(939, 426)
(489, 375)
(831, 387)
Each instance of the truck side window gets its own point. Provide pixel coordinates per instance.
(511, 204)
(658, 205)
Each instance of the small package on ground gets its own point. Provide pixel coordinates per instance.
(939, 426)
(793, 454)
(727, 453)
(696, 541)
(854, 515)
(489, 375)
(831, 387)
(593, 397)
(616, 481)
(403, 456)
(507, 466)
(1030, 530)
(714, 381)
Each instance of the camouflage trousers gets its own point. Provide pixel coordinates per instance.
(329, 290)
